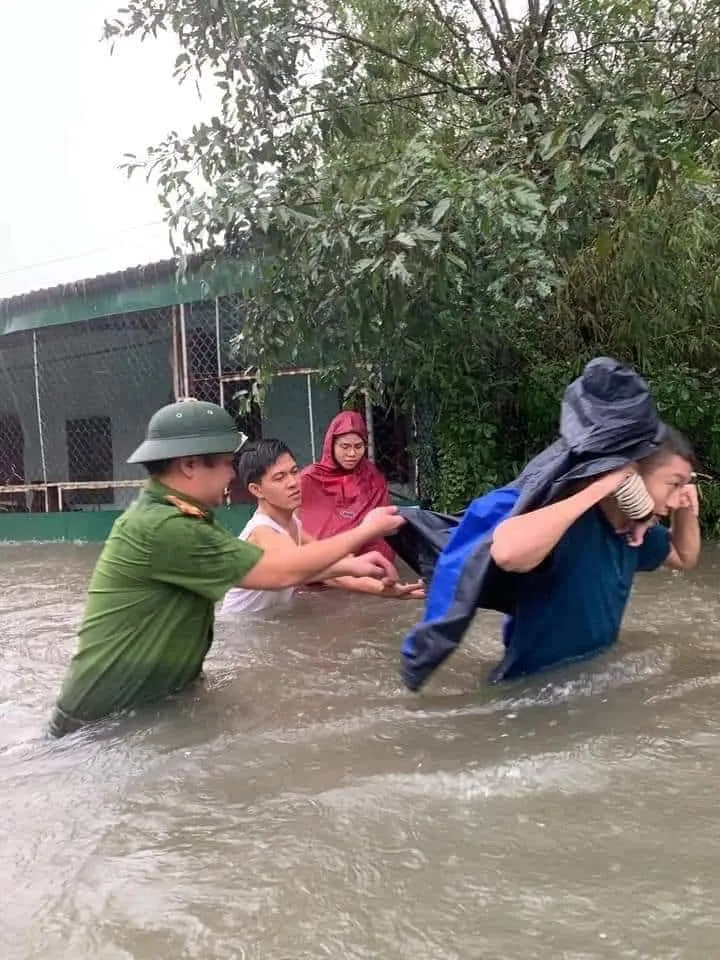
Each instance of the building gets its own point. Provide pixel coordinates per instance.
(83, 366)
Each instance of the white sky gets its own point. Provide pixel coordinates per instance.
(68, 112)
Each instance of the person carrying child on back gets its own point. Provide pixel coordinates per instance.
(558, 548)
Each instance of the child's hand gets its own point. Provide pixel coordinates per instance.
(635, 533)
(409, 591)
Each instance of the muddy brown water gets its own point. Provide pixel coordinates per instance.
(304, 805)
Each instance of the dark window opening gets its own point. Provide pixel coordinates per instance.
(249, 422)
(12, 451)
(12, 463)
(90, 458)
(391, 432)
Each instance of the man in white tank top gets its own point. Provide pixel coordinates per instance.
(268, 471)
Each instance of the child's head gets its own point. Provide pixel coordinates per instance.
(268, 471)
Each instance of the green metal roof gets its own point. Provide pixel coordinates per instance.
(148, 287)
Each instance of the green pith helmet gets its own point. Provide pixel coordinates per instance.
(188, 428)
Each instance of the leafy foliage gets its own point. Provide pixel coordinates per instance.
(458, 202)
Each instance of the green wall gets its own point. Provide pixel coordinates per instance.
(89, 526)
(93, 526)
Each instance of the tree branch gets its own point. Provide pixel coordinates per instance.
(503, 19)
(547, 21)
(620, 42)
(445, 20)
(490, 34)
(709, 100)
(328, 34)
(320, 111)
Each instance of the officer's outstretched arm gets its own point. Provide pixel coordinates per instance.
(287, 565)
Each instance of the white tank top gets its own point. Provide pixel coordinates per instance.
(238, 600)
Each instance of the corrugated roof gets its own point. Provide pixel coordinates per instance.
(92, 286)
(215, 272)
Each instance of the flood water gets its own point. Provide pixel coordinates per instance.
(304, 805)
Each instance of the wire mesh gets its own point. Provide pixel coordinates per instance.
(99, 383)
(425, 452)
(201, 340)
(75, 400)
(231, 311)
(18, 427)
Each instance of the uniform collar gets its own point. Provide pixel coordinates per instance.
(160, 492)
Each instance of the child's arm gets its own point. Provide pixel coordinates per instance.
(380, 588)
(408, 591)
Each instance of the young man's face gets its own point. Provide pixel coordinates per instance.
(280, 485)
(665, 480)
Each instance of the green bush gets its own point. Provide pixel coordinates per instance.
(481, 445)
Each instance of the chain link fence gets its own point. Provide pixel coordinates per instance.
(75, 399)
(426, 464)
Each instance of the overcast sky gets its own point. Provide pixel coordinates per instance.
(69, 111)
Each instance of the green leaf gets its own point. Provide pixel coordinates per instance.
(399, 270)
(404, 239)
(422, 233)
(553, 142)
(603, 244)
(453, 258)
(362, 266)
(440, 210)
(591, 128)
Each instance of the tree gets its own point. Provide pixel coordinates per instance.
(452, 197)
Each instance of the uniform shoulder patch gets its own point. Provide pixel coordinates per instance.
(189, 509)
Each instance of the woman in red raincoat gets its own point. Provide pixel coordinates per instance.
(344, 486)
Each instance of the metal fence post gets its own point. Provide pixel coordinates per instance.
(41, 432)
(218, 339)
(184, 352)
(177, 389)
(311, 417)
(370, 427)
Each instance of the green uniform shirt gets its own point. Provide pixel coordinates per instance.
(148, 621)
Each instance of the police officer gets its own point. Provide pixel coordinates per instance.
(148, 620)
